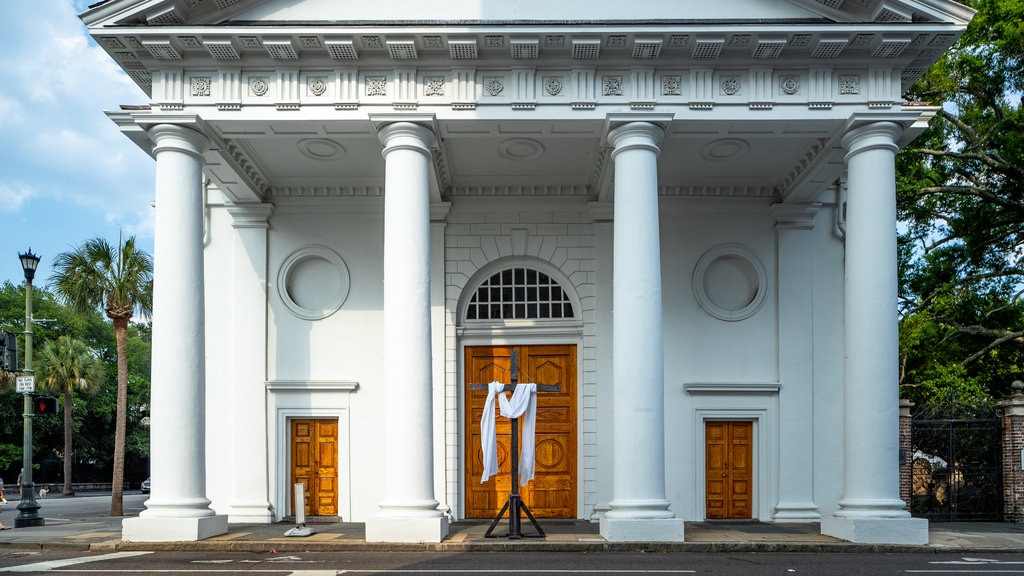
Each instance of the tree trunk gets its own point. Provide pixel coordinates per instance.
(68, 453)
(117, 485)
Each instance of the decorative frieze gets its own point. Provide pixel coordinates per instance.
(524, 88)
(259, 86)
(702, 88)
(762, 94)
(464, 89)
(229, 89)
(433, 86)
(642, 92)
(376, 85)
(671, 85)
(169, 89)
(553, 85)
(347, 89)
(730, 85)
(316, 86)
(849, 84)
(611, 85)
(584, 97)
(405, 89)
(288, 90)
(201, 86)
(883, 88)
(494, 86)
(789, 85)
(820, 87)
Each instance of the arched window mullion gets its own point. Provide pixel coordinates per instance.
(519, 293)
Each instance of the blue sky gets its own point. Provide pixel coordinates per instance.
(67, 174)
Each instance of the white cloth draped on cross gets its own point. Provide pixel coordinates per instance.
(523, 403)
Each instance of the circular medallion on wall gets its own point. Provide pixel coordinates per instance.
(313, 282)
(730, 283)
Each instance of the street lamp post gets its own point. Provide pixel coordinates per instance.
(28, 508)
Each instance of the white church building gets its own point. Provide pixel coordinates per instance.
(680, 212)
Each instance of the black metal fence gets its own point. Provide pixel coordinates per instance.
(957, 470)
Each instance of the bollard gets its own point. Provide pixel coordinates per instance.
(300, 513)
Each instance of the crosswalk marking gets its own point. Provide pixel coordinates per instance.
(55, 564)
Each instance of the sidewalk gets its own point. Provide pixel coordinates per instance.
(104, 533)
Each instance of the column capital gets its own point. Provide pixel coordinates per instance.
(636, 135)
(250, 215)
(179, 138)
(872, 136)
(795, 217)
(405, 135)
(439, 211)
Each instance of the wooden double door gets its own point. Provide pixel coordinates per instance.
(314, 452)
(552, 493)
(729, 476)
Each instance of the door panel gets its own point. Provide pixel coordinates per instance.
(552, 493)
(728, 460)
(315, 464)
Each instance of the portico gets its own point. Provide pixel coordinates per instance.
(689, 208)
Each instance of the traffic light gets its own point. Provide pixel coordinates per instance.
(46, 405)
(9, 351)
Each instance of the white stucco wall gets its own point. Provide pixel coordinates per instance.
(331, 367)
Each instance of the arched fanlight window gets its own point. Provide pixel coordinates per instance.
(519, 293)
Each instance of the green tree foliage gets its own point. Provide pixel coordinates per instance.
(93, 415)
(960, 193)
(119, 280)
(67, 365)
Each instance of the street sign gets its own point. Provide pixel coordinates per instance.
(26, 384)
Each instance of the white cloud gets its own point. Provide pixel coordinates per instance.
(13, 196)
(52, 127)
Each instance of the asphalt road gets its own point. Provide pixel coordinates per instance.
(491, 563)
(85, 505)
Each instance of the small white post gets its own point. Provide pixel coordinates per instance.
(300, 513)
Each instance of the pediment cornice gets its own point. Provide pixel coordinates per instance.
(889, 10)
(143, 51)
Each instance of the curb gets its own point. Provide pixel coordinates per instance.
(262, 546)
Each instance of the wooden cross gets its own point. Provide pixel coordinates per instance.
(515, 503)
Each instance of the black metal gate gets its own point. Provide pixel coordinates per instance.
(957, 470)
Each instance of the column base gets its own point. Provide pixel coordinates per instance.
(163, 529)
(412, 529)
(250, 514)
(877, 530)
(642, 529)
(797, 513)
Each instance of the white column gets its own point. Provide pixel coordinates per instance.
(794, 225)
(178, 508)
(870, 509)
(409, 511)
(639, 510)
(250, 500)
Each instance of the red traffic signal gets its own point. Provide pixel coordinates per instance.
(46, 405)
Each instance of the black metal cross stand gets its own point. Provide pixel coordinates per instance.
(515, 504)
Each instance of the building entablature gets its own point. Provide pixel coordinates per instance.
(909, 48)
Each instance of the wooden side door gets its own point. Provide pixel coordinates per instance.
(315, 464)
(552, 493)
(728, 474)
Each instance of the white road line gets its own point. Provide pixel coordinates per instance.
(378, 571)
(56, 564)
(967, 571)
(538, 571)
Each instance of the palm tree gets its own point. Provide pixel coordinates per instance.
(120, 281)
(64, 365)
